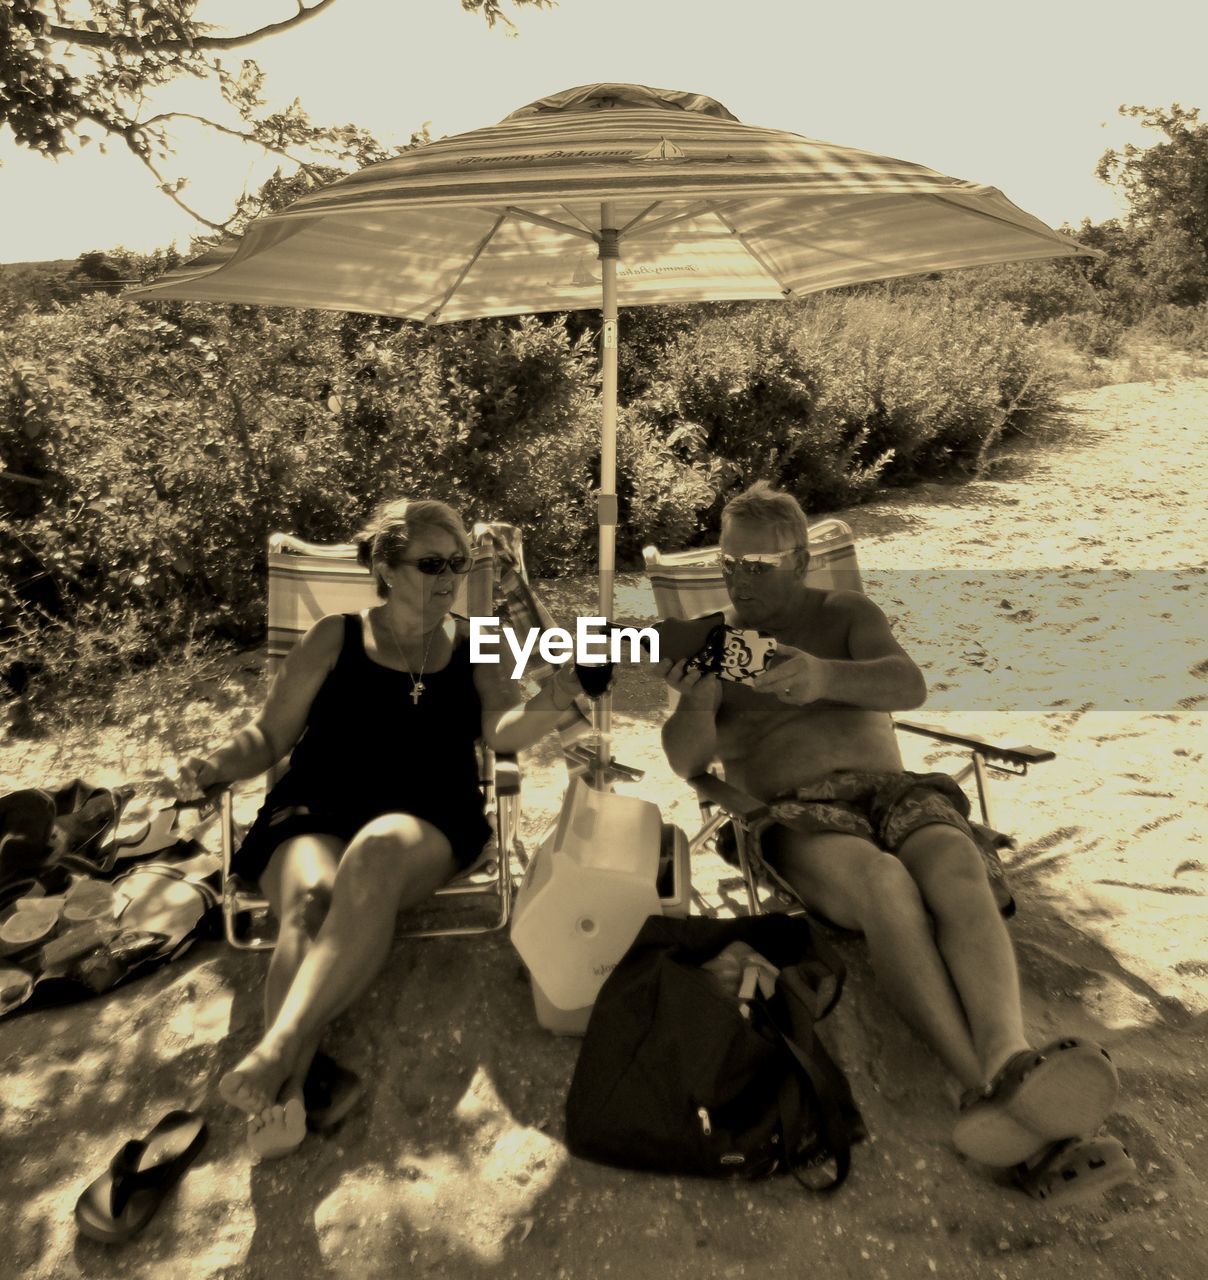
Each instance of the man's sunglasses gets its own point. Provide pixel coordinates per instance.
(434, 566)
(760, 562)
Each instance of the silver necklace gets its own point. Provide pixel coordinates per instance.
(417, 680)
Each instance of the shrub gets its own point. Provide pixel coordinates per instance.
(1096, 333)
(166, 445)
(1036, 291)
(1185, 327)
(160, 445)
(830, 397)
(742, 392)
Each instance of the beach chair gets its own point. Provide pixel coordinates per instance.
(306, 582)
(689, 584)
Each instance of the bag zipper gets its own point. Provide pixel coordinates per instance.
(706, 1125)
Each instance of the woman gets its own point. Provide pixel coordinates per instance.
(380, 805)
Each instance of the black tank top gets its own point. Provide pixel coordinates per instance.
(368, 749)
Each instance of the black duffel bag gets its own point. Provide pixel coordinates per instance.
(674, 1076)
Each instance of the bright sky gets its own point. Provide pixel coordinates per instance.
(1020, 96)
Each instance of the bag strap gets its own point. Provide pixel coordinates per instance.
(829, 1085)
(829, 972)
(834, 1137)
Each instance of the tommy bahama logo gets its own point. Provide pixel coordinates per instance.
(586, 273)
(528, 157)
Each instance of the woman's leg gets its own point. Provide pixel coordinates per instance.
(392, 863)
(297, 883)
(972, 939)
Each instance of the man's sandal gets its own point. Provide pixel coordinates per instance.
(1076, 1170)
(1040, 1096)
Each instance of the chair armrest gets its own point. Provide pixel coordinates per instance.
(992, 751)
(738, 804)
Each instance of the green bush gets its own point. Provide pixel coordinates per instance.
(1036, 291)
(160, 445)
(164, 446)
(831, 397)
(1185, 327)
(1096, 333)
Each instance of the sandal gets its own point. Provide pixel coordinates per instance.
(329, 1093)
(26, 822)
(120, 1203)
(1076, 1170)
(1040, 1096)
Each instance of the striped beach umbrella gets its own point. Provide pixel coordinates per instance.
(610, 195)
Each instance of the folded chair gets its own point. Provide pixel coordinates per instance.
(689, 584)
(306, 582)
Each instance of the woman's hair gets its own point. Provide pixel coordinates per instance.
(388, 532)
(761, 504)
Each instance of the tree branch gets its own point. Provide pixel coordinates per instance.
(127, 136)
(308, 169)
(133, 44)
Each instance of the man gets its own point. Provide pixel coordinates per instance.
(870, 846)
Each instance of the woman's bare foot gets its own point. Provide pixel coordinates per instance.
(279, 1129)
(256, 1083)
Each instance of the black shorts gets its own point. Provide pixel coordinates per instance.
(466, 833)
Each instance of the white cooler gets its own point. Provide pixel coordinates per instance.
(588, 890)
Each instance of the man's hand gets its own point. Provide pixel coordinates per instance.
(798, 679)
(702, 689)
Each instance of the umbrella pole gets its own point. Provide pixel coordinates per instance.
(606, 510)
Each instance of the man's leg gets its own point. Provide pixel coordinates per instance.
(392, 863)
(852, 882)
(971, 937)
(1039, 1097)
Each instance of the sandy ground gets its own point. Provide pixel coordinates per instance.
(1058, 603)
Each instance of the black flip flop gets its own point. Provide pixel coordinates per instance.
(329, 1093)
(26, 822)
(120, 1203)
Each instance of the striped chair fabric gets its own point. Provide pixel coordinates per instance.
(689, 584)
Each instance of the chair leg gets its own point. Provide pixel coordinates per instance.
(983, 790)
(236, 901)
(715, 819)
(748, 871)
(978, 770)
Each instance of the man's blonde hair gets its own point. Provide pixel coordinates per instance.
(762, 504)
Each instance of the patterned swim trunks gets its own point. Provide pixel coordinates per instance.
(886, 808)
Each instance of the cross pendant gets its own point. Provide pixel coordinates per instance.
(416, 689)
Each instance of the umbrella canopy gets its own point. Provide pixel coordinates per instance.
(608, 195)
(509, 218)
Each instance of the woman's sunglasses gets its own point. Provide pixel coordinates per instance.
(434, 566)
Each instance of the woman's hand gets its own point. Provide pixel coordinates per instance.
(564, 686)
(195, 776)
(700, 688)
